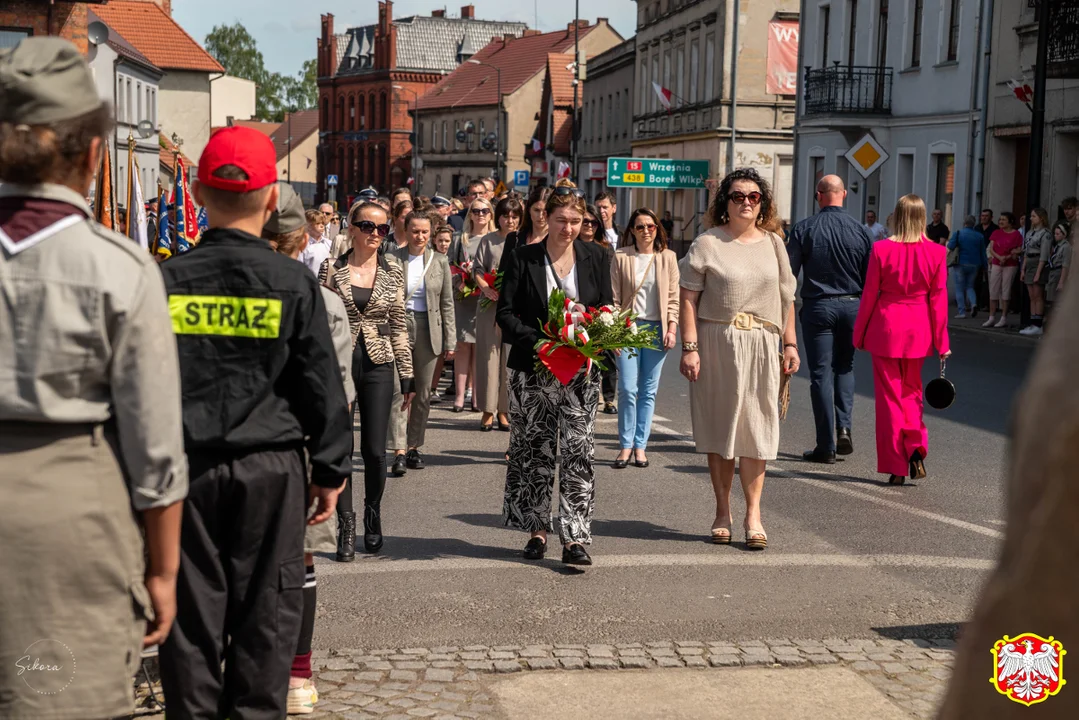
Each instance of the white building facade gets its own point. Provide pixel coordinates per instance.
(904, 72)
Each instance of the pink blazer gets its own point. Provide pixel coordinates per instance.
(904, 308)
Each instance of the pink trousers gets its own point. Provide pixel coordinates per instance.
(900, 430)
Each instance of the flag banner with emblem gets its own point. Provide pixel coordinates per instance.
(186, 226)
(203, 221)
(164, 239)
(136, 206)
(104, 198)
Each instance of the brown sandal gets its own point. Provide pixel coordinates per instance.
(756, 539)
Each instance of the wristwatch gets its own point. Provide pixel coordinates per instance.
(688, 347)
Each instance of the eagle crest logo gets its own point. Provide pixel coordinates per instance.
(1028, 668)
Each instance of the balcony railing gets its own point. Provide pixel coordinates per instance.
(848, 89)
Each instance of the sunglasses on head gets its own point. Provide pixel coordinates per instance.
(740, 197)
(369, 227)
(480, 211)
(563, 191)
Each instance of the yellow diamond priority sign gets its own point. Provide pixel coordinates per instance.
(866, 156)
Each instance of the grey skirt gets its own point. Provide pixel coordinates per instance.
(1030, 269)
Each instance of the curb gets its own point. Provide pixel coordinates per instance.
(1008, 337)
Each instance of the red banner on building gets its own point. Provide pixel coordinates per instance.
(782, 57)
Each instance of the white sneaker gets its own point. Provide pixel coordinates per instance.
(991, 321)
(301, 700)
(1003, 322)
(1032, 331)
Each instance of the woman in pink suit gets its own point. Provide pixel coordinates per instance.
(903, 317)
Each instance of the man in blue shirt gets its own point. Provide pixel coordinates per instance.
(832, 251)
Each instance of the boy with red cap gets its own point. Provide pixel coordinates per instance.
(260, 383)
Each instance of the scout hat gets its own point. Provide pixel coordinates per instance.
(44, 80)
(288, 216)
(247, 149)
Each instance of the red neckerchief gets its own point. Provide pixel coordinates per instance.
(21, 217)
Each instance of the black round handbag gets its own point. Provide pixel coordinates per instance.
(940, 392)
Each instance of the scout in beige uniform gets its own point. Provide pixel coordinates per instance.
(285, 231)
(91, 439)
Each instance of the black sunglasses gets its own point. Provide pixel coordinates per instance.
(563, 191)
(593, 223)
(369, 227)
(740, 197)
(480, 211)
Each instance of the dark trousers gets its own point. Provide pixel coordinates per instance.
(239, 593)
(828, 328)
(374, 395)
(609, 378)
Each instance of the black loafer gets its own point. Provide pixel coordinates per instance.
(575, 554)
(610, 409)
(535, 549)
(844, 445)
(620, 464)
(458, 408)
(641, 463)
(398, 467)
(487, 427)
(414, 460)
(819, 456)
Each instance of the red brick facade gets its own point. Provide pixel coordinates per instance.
(363, 120)
(66, 19)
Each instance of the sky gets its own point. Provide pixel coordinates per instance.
(287, 30)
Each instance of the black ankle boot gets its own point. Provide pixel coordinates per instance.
(372, 527)
(346, 537)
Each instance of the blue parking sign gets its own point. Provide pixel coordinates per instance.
(521, 178)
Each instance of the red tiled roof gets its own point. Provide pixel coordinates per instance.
(304, 122)
(157, 36)
(519, 59)
(561, 78)
(266, 128)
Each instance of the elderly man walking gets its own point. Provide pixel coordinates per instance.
(832, 250)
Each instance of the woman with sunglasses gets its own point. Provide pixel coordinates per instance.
(645, 277)
(489, 385)
(738, 337)
(548, 416)
(373, 290)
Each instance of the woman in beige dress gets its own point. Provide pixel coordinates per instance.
(738, 338)
(489, 385)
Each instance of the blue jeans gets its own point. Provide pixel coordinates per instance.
(828, 329)
(966, 297)
(638, 380)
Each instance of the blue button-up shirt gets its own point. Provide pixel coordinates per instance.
(832, 251)
(971, 244)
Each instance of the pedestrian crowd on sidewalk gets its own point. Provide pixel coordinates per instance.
(207, 404)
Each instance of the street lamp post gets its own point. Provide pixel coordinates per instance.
(500, 164)
(415, 134)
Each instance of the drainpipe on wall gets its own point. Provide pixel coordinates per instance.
(796, 169)
(737, 6)
(976, 171)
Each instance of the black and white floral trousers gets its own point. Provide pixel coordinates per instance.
(545, 414)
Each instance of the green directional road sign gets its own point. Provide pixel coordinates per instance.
(662, 173)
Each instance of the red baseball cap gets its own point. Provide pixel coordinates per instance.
(247, 149)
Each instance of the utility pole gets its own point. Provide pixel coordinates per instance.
(289, 143)
(1037, 119)
(576, 85)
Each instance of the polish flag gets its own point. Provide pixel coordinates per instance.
(536, 145)
(563, 170)
(664, 95)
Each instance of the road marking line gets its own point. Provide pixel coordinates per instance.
(955, 522)
(365, 566)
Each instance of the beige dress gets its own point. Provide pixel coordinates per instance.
(735, 400)
(491, 384)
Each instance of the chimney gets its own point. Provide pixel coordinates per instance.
(506, 37)
(468, 12)
(230, 121)
(530, 32)
(439, 13)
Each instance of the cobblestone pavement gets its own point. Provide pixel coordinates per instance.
(450, 682)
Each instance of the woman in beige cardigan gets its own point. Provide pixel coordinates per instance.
(644, 276)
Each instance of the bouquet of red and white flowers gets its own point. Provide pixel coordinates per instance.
(494, 279)
(466, 284)
(576, 336)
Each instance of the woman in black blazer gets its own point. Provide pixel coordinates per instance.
(544, 413)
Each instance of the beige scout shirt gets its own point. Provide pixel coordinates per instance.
(342, 338)
(85, 337)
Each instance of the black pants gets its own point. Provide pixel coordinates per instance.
(828, 329)
(374, 394)
(239, 596)
(609, 381)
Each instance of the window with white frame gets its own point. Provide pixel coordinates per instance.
(953, 31)
(710, 66)
(917, 13)
(694, 69)
(825, 19)
(121, 99)
(10, 37)
(680, 71)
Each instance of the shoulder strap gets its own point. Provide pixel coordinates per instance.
(551, 267)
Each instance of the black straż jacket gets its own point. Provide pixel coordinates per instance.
(257, 363)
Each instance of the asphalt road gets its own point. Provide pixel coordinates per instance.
(848, 555)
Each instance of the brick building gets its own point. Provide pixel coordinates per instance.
(25, 18)
(369, 76)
